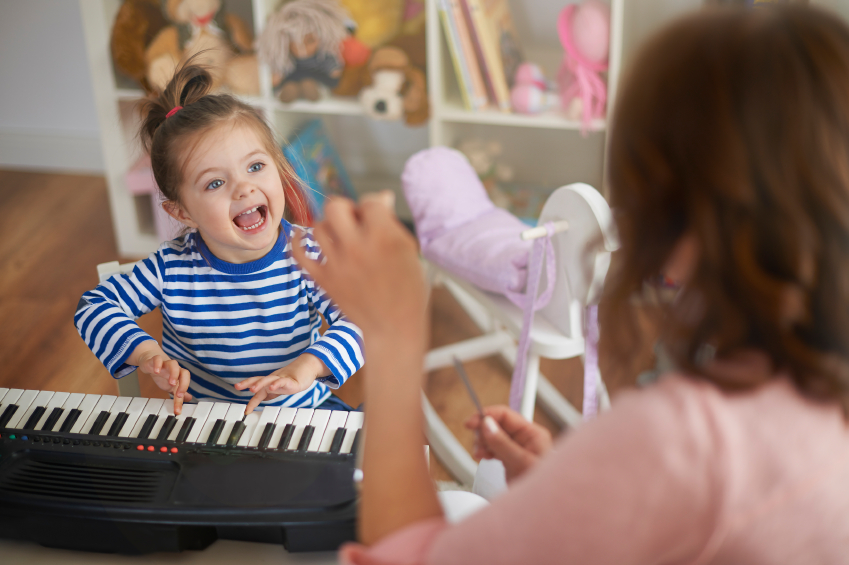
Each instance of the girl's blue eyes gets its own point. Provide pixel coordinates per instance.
(217, 183)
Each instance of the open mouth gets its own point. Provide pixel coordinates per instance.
(252, 219)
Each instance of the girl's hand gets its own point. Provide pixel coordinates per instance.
(505, 435)
(167, 374)
(294, 377)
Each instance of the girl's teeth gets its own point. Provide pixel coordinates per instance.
(249, 211)
(256, 225)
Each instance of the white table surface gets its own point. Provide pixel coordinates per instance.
(222, 551)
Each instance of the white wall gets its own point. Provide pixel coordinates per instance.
(47, 113)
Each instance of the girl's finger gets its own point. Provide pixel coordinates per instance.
(157, 364)
(254, 402)
(283, 384)
(246, 383)
(263, 382)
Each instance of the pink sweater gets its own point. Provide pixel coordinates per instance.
(680, 472)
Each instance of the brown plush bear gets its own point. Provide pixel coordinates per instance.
(398, 88)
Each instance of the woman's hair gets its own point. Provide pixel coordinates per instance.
(732, 128)
(168, 138)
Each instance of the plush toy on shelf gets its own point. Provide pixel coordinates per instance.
(302, 43)
(532, 93)
(584, 31)
(136, 24)
(484, 157)
(195, 26)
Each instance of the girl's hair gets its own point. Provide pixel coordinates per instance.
(168, 138)
(733, 128)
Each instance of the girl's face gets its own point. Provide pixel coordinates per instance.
(232, 193)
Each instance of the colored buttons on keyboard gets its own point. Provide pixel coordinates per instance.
(140, 448)
(163, 449)
(150, 448)
(173, 449)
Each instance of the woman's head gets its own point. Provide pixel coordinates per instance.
(731, 135)
(212, 153)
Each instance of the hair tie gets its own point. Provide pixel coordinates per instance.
(173, 111)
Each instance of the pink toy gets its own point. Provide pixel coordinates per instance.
(532, 93)
(584, 31)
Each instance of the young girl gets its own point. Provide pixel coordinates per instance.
(240, 318)
(729, 173)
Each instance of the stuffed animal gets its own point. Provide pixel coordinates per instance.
(136, 24)
(200, 26)
(484, 158)
(532, 93)
(302, 43)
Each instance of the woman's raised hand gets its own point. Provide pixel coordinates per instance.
(505, 435)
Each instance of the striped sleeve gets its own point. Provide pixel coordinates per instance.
(341, 346)
(105, 317)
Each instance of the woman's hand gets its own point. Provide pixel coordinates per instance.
(294, 377)
(505, 435)
(165, 372)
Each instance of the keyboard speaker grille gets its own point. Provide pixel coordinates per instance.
(88, 480)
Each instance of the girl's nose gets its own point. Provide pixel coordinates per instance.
(243, 189)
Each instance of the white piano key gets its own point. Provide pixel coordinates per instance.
(234, 414)
(120, 405)
(337, 420)
(319, 421)
(166, 410)
(87, 404)
(3, 392)
(24, 402)
(218, 412)
(134, 411)
(187, 412)
(267, 416)
(73, 403)
(104, 404)
(40, 401)
(152, 407)
(251, 421)
(287, 416)
(354, 423)
(10, 397)
(302, 419)
(201, 415)
(56, 401)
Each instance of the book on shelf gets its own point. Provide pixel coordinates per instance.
(496, 44)
(318, 165)
(462, 54)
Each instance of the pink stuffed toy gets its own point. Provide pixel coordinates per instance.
(584, 31)
(532, 93)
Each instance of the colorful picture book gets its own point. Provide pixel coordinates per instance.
(318, 165)
(469, 78)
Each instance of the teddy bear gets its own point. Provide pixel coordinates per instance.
(398, 88)
(302, 43)
(223, 40)
(136, 24)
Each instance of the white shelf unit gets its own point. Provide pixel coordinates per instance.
(544, 150)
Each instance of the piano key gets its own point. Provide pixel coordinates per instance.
(301, 421)
(36, 410)
(352, 424)
(218, 411)
(103, 405)
(235, 413)
(117, 424)
(99, 422)
(319, 423)
(306, 436)
(265, 437)
(215, 432)
(186, 413)
(52, 418)
(286, 436)
(56, 401)
(236, 433)
(286, 416)
(355, 447)
(118, 407)
(185, 429)
(87, 405)
(152, 406)
(337, 421)
(167, 427)
(166, 410)
(23, 403)
(134, 412)
(3, 392)
(9, 406)
(267, 416)
(200, 416)
(250, 421)
(72, 403)
(338, 436)
(34, 417)
(7, 414)
(147, 426)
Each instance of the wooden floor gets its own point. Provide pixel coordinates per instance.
(57, 228)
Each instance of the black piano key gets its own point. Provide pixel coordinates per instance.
(288, 431)
(167, 426)
(356, 445)
(338, 438)
(52, 419)
(99, 422)
(306, 437)
(236, 433)
(216, 431)
(148, 426)
(36, 415)
(266, 435)
(185, 429)
(119, 422)
(7, 414)
(69, 422)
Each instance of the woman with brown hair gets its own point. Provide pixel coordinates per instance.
(729, 173)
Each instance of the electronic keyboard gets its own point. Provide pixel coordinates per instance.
(121, 474)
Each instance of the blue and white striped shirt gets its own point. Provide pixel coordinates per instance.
(224, 322)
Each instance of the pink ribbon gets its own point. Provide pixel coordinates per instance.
(587, 85)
